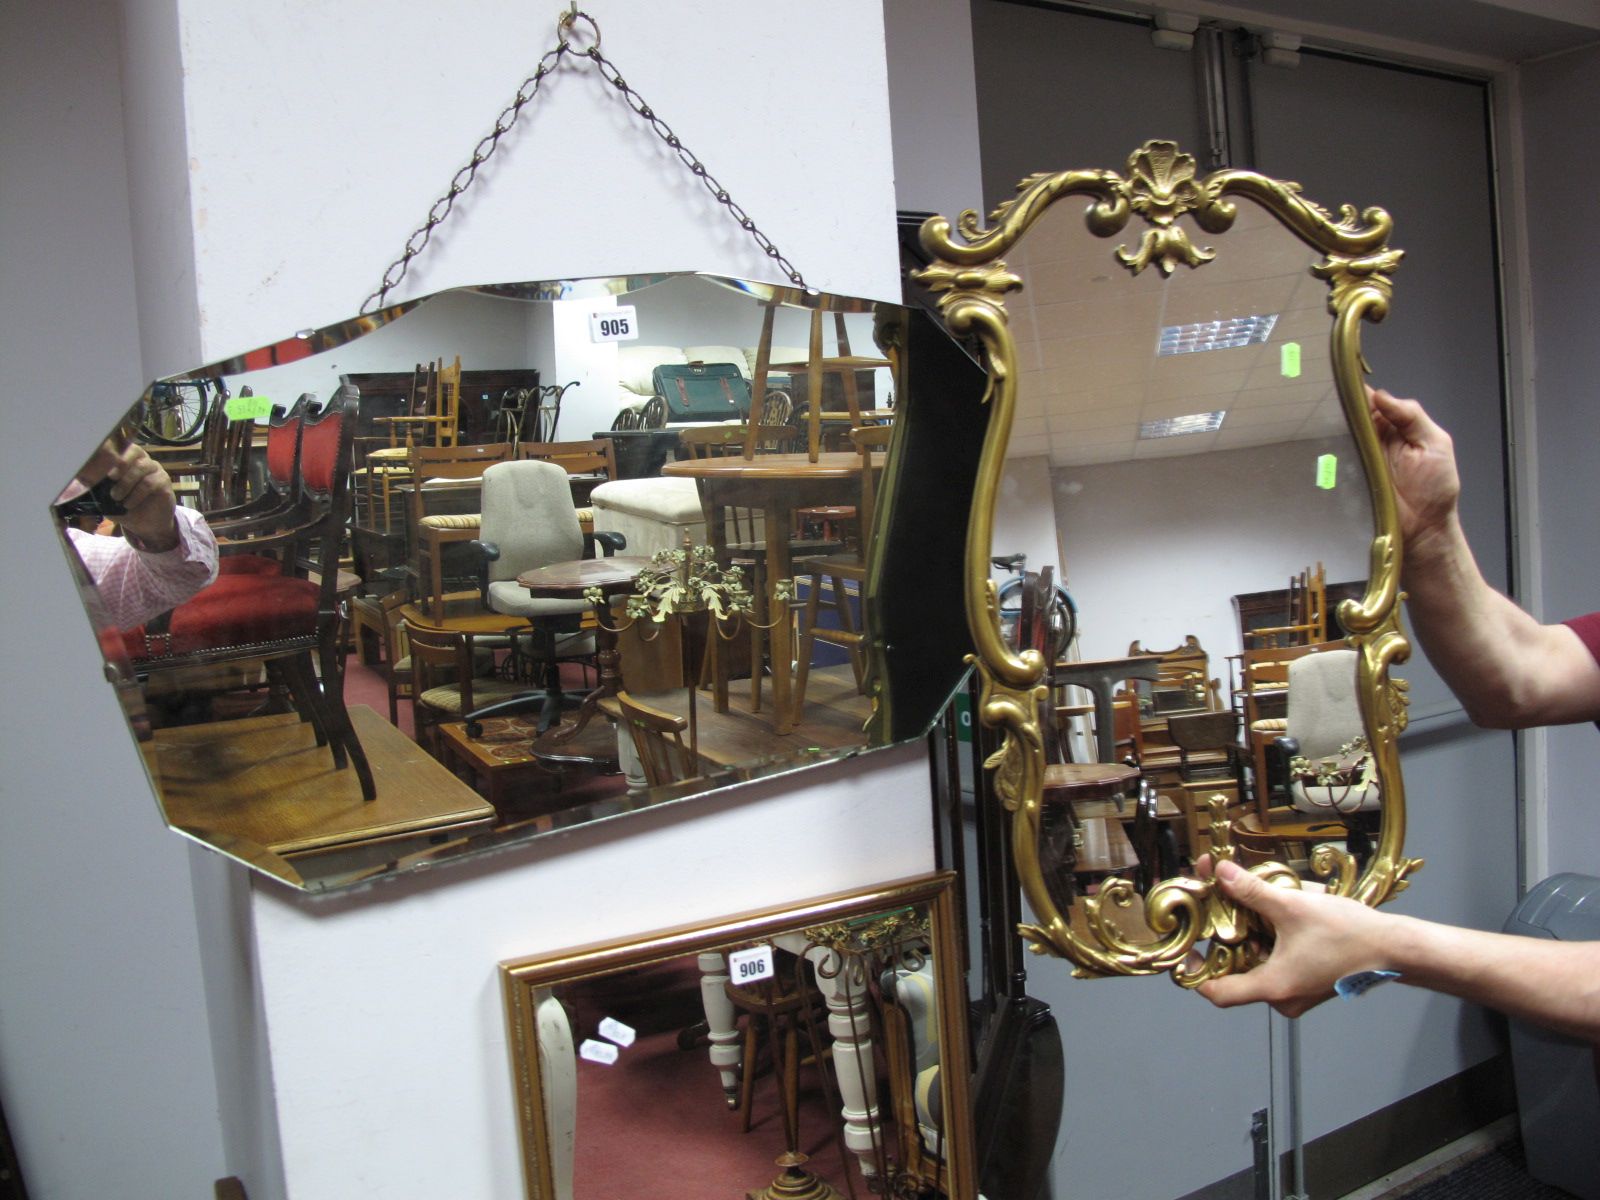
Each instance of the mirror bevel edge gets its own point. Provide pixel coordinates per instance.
(971, 281)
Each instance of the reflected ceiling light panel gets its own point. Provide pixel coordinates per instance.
(1216, 335)
(1206, 422)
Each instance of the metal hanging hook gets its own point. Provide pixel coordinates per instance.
(566, 24)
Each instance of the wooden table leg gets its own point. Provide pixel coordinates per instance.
(609, 658)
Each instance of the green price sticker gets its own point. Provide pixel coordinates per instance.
(1290, 360)
(248, 408)
(1327, 471)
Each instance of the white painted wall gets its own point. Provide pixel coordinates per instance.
(489, 333)
(933, 106)
(1155, 549)
(102, 1010)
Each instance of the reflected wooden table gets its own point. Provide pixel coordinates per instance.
(264, 783)
(569, 581)
(511, 750)
(777, 484)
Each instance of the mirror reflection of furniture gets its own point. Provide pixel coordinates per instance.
(450, 679)
(853, 942)
(216, 477)
(658, 741)
(840, 569)
(817, 366)
(434, 413)
(529, 521)
(283, 618)
(919, 659)
(442, 504)
(280, 490)
(378, 619)
(1099, 677)
(778, 1013)
(1321, 757)
(1308, 615)
(777, 485)
(1060, 301)
(1264, 702)
(1208, 765)
(588, 463)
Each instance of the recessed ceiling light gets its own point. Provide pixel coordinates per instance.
(1206, 422)
(1216, 335)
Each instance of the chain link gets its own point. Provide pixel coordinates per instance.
(526, 93)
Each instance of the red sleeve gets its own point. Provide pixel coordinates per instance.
(1588, 630)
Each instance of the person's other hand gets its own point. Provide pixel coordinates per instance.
(1320, 939)
(143, 487)
(1422, 464)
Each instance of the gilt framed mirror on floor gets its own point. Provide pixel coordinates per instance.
(801, 1051)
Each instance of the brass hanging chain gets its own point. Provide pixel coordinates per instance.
(526, 93)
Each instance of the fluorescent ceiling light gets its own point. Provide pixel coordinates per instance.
(1206, 422)
(1216, 335)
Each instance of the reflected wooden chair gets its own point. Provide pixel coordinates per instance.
(818, 365)
(377, 618)
(448, 680)
(285, 618)
(1308, 615)
(658, 740)
(217, 476)
(281, 489)
(587, 463)
(839, 569)
(442, 474)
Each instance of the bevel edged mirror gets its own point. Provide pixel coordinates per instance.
(1175, 372)
(871, 975)
(267, 794)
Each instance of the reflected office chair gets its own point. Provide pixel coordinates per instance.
(529, 521)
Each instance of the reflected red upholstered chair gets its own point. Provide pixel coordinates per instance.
(283, 618)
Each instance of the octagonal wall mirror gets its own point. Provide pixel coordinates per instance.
(1176, 384)
(365, 688)
(847, 1078)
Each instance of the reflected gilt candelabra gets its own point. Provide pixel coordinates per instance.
(686, 581)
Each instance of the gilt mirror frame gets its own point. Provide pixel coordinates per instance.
(971, 281)
(865, 921)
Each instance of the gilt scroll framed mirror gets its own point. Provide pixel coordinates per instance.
(329, 710)
(1176, 391)
(801, 1051)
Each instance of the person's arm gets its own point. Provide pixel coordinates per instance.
(1509, 670)
(1322, 938)
(166, 554)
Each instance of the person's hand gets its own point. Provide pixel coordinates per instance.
(1320, 939)
(143, 487)
(1422, 464)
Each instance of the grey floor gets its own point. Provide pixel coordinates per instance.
(1487, 1165)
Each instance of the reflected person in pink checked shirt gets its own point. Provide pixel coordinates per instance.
(165, 553)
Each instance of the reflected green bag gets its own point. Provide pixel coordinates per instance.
(701, 391)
